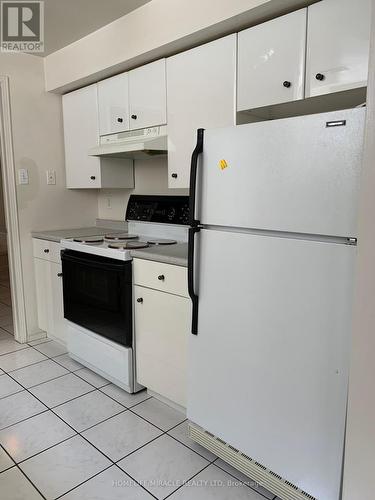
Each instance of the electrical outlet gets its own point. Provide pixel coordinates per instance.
(23, 176)
(109, 202)
(51, 177)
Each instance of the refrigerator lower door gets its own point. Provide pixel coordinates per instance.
(297, 175)
(268, 370)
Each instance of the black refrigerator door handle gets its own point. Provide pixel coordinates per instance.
(194, 228)
(191, 290)
(193, 176)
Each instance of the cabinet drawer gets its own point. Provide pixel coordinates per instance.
(164, 277)
(46, 250)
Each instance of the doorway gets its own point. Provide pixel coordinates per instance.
(6, 315)
(12, 304)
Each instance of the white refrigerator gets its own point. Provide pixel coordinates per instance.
(272, 250)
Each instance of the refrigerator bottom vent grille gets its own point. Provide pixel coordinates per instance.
(248, 466)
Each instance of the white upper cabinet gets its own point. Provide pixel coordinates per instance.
(271, 62)
(201, 94)
(337, 46)
(147, 95)
(81, 133)
(113, 98)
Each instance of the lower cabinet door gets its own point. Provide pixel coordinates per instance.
(57, 325)
(41, 268)
(162, 323)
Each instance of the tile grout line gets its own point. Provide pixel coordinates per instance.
(46, 449)
(83, 482)
(24, 419)
(20, 368)
(23, 473)
(13, 393)
(16, 350)
(182, 485)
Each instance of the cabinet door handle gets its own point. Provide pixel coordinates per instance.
(93, 177)
(134, 117)
(140, 300)
(120, 120)
(161, 277)
(46, 250)
(59, 275)
(320, 77)
(174, 176)
(287, 84)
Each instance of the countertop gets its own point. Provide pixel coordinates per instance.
(60, 234)
(168, 254)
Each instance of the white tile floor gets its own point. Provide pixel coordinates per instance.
(67, 433)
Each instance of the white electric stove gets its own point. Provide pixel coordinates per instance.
(98, 289)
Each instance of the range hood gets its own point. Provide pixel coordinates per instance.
(136, 144)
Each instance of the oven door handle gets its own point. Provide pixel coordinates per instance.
(92, 262)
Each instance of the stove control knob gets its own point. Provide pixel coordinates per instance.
(161, 277)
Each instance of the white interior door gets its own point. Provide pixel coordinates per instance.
(296, 174)
(268, 370)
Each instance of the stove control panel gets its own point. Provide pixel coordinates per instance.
(164, 209)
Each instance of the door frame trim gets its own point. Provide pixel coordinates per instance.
(11, 213)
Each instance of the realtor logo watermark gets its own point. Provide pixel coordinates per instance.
(22, 26)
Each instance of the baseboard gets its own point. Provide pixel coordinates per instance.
(167, 401)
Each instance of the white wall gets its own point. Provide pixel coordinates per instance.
(157, 29)
(38, 146)
(151, 177)
(360, 443)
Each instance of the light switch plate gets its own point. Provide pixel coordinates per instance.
(23, 176)
(51, 177)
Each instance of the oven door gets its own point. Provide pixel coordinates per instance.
(98, 294)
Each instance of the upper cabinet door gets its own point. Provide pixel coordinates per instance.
(81, 132)
(201, 94)
(113, 98)
(337, 46)
(271, 62)
(147, 95)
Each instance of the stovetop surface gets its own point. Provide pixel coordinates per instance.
(116, 248)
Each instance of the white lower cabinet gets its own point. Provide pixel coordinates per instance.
(41, 270)
(162, 324)
(49, 293)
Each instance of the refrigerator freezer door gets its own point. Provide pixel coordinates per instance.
(295, 174)
(268, 369)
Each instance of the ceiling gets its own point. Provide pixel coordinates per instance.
(69, 20)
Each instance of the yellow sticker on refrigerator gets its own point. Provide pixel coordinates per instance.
(223, 164)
